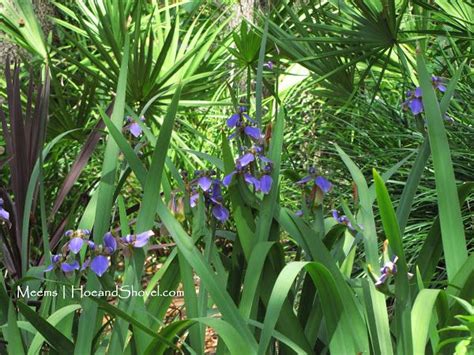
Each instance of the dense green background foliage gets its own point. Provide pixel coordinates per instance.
(326, 82)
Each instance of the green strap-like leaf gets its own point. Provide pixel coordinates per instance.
(452, 229)
(53, 319)
(104, 203)
(365, 215)
(53, 336)
(269, 201)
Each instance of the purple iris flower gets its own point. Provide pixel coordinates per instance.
(388, 269)
(237, 119)
(342, 219)
(137, 240)
(4, 215)
(216, 200)
(75, 244)
(233, 120)
(414, 101)
(77, 239)
(242, 166)
(203, 179)
(311, 175)
(57, 261)
(299, 213)
(244, 124)
(213, 199)
(133, 127)
(268, 65)
(100, 262)
(323, 184)
(110, 243)
(438, 84)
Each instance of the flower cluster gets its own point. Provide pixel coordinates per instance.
(4, 215)
(414, 100)
(252, 164)
(98, 254)
(211, 189)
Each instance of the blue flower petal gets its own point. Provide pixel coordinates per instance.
(204, 183)
(142, 239)
(253, 132)
(305, 180)
(252, 180)
(232, 121)
(99, 265)
(4, 215)
(220, 213)
(49, 268)
(323, 184)
(228, 179)
(193, 200)
(70, 267)
(110, 243)
(245, 159)
(266, 184)
(381, 280)
(416, 106)
(135, 129)
(75, 245)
